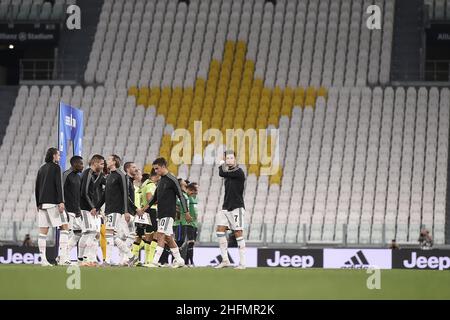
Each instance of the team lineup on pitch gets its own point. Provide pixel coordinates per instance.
(107, 207)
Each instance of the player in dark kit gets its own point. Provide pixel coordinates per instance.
(50, 204)
(116, 208)
(167, 191)
(72, 186)
(232, 214)
(91, 200)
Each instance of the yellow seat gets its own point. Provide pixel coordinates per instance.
(288, 92)
(182, 122)
(253, 169)
(277, 92)
(265, 93)
(144, 91)
(310, 101)
(273, 120)
(322, 92)
(142, 100)
(200, 83)
(133, 91)
(173, 169)
(275, 179)
(148, 167)
(172, 120)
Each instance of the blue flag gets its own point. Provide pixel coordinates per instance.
(70, 127)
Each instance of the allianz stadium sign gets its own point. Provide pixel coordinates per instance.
(28, 34)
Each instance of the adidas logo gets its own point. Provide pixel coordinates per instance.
(218, 260)
(358, 261)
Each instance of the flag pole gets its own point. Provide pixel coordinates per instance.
(56, 248)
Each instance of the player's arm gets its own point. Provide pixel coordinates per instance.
(149, 197)
(85, 182)
(226, 172)
(59, 188)
(36, 188)
(132, 206)
(124, 189)
(59, 184)
(180, 196)
(153, 198)
(188, 215)
(98, 186)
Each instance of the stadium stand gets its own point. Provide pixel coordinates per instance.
(357, 156)
(438, 9)
(24, 10)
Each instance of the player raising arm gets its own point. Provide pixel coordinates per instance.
(233, 209)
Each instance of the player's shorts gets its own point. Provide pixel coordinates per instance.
(113, 221)
(191, 233)
(142, 229)
(98, 223)
(231, 219)
(75, 222)
(49, 216)
(153, 219)
(179, 233)
(165, 225)
(90, 222)
(144, 219)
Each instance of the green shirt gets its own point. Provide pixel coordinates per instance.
(193, 211)
(182, 219)
(147, 187)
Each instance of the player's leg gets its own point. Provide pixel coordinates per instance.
(119, 220)
(109, 236)
(85, 237)
(75, 231)
(160, 247)
(95, 238)
(64, 258)
(44, 223)
(147, 241)
(60, 221)
(178, 235)
(222, 224)
(139, 242)
(153, 228)
(165, 225)
(183, 243)
(178, 260)
(88, 241)
(238, 228)
(191, 234)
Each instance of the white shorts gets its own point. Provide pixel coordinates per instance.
(98, 223)
(144, 219)
(117, 223)
(75, 222)
(89, 222)
(165, 225)
(113, 221)
(49, 216)
(231, 219)
(130, 227)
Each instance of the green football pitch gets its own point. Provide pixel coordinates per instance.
(35, 282)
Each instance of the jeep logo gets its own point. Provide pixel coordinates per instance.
(290, 261)
(18, 258)
(422, 262)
